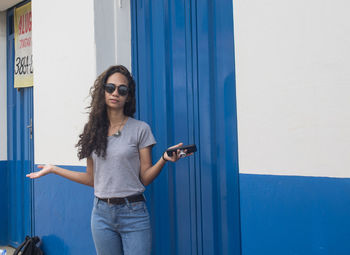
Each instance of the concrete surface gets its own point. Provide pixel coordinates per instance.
(9, 250)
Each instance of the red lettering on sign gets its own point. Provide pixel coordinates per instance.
(20, 25)
(30, 21)
(27, 42)
(25, 23)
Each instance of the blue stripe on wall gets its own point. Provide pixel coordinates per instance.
(294, 215)
(3, 203)
(62, 214)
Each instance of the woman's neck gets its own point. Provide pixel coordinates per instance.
(115, 117)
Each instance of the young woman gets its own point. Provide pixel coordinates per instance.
(119, 165)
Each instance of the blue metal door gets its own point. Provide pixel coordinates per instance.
(183, 61)
(20, 148)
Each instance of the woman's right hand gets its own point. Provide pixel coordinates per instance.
(45, 169)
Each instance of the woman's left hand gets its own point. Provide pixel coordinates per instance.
(176, 155)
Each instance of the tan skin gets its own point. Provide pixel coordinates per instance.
(115, 110)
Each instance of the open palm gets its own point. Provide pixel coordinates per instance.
(45, 169)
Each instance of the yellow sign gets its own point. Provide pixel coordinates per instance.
(23, 46)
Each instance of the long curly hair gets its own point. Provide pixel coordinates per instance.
(94, 136)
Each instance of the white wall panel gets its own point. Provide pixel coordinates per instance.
(3, 91)
(104, 34)
(112, 33)
(64, 70)
(123, 32)
(293, 87)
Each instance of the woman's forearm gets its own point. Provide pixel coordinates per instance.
(79, 177)
(151, 173)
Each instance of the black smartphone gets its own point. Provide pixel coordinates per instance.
(190, 148)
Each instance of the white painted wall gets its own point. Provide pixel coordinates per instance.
(104, 34)
(3, 90)
(73, 41)
(123, 33)
(112, 33)
(293, 86)
(64, 70)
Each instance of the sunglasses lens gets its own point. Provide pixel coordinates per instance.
(123, 90)
(109, 87)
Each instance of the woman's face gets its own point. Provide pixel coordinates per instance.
(114, 100)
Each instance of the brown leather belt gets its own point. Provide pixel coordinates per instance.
(122, 200)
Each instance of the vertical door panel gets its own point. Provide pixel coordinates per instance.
(20, 149)
(180, 171)
(208, 164)
(216, 86)
(183, 61)
(161, 90)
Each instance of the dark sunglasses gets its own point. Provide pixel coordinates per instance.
(122, 89)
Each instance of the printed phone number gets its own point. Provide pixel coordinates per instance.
(24, 65)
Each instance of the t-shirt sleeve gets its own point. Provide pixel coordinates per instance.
(146, 137)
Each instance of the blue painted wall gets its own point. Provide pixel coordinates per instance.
(62, 215)
(295, 215)
(279, 215)
(3, 203)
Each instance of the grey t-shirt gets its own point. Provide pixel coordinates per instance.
(118, 175)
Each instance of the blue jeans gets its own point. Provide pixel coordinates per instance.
(121, 229)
